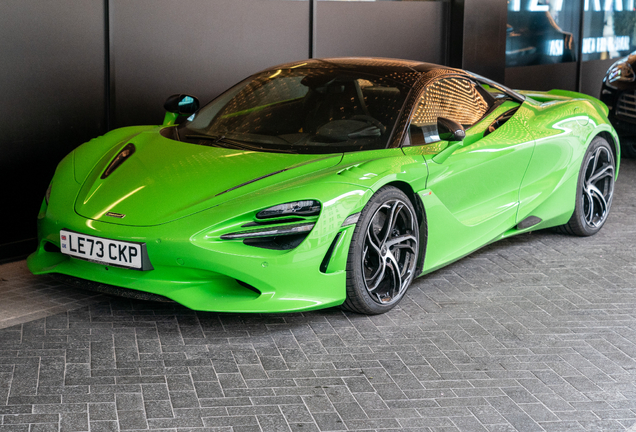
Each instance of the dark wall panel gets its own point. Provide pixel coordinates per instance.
(485, 37)
(409, 30)
(592, 73)
(54, 61)
(52, 75)
(201, 47)
(542, 77)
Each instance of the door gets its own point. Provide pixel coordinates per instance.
(472, 197)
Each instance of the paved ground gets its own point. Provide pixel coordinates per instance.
(533, 333)
(25, 297)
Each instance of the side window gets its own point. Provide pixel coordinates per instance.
(457, 99)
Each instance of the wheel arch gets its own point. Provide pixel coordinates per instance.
(613, 145)
(582, 221)
(420, 212)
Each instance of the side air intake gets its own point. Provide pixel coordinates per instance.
(528, 222)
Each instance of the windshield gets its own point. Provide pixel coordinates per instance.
(318, 110)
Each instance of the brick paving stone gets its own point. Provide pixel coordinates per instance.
(26, 297)
(73, 422)
(102, 411)
(535, 332)
(44, 427)
(133, 419)
(103, 426)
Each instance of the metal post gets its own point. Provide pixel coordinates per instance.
(312, 28)
(579, 51)
(107, 87)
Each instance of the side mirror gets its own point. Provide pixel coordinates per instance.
(179, 105)
(449, 130)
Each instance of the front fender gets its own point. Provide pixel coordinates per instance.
(375, 169)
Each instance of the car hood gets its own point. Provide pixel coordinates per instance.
(164, 180)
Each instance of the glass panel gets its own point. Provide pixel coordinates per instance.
(542, 31)
(313, 110)
(453, 98)
(609, 27)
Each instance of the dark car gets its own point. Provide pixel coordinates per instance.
(619, 94)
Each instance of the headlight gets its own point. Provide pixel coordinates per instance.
(47, 195)
(621, 72)
(296, 208)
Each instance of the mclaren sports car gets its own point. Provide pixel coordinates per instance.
(323, 183)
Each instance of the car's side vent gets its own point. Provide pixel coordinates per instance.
(248, 286)
(272, 222)
(528, 222)
(325, 261)
(124, 154)
(277, 237)
(285, 242)
(50, 247)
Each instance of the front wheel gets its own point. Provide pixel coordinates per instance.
(595, 190)
(383, 253)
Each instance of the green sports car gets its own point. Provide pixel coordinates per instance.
(323, 183)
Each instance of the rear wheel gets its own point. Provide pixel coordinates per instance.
(595, 190)
(383, 253)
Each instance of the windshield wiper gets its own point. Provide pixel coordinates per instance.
(229, 143)
(214, 138)
(221, 139)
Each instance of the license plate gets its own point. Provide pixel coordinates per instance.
(102, 250)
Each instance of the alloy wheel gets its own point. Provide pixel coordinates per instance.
(598, 187)
(389, 252)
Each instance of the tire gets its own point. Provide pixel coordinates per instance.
(628, 146)
(386, 239)
(594, 190)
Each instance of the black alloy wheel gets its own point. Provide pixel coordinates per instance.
(595, 190)
(383, 253)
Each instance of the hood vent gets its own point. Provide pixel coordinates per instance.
(124, 154)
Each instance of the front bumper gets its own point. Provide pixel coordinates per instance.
(198, 270)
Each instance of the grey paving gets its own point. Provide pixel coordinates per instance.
(26, 297)
(533, 333)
